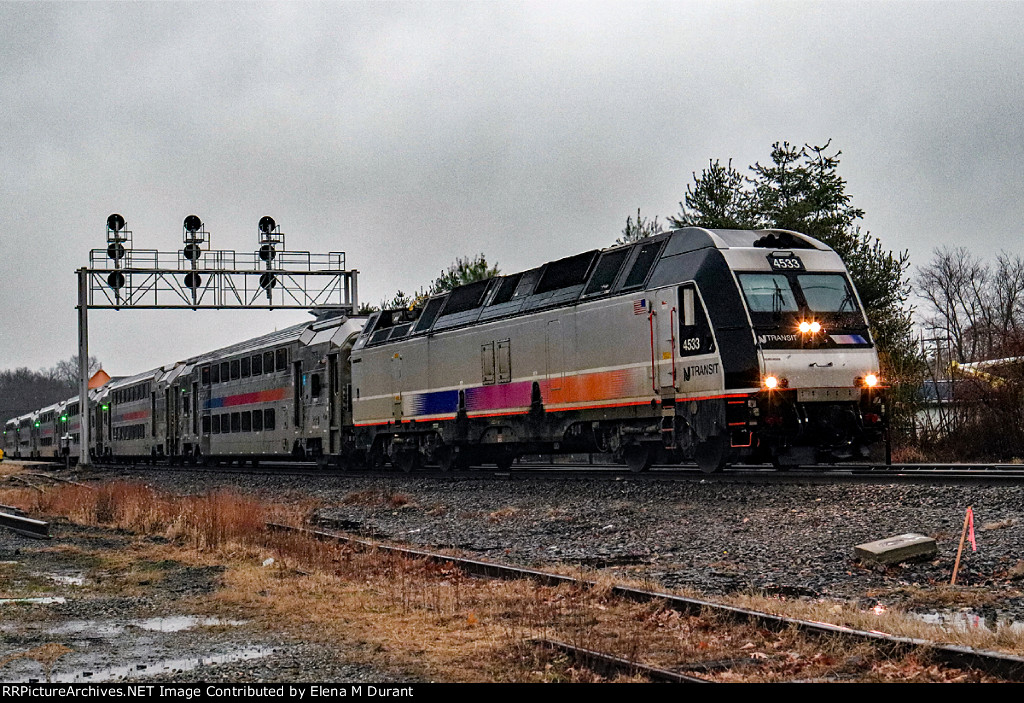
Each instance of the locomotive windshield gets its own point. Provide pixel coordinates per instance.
(826, 292)
(768, 292)
(779, 302)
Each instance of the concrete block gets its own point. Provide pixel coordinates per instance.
(893, 550)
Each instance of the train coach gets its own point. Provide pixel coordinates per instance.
(715, 346)
(279, 396)
(712, 346)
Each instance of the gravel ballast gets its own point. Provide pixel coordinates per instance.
(715, 536)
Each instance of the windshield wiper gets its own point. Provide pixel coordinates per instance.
(778, 300)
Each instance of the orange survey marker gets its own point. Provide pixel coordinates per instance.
(968, 530)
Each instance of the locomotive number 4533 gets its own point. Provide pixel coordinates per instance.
(786, 263)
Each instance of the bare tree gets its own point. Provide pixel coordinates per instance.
(66, 371)
(975, 312)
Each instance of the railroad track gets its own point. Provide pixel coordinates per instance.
(994, 473)
(993, 663)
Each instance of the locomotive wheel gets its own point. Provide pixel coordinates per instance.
(407, 460)
(710, 454)
(450, 460)
(638, 458)
(504, 461)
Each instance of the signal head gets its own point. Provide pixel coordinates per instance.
(267, 224)
(193, 223)
(115, 223)
(116, 280)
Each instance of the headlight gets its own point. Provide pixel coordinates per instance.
(871, 380)
(805, 327)
(770, 382)
(815, 327)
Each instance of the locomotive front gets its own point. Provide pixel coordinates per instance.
(821, 395)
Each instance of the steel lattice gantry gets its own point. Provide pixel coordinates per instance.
(197, 277)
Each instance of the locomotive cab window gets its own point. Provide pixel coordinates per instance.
(206, 376)
(695, 335)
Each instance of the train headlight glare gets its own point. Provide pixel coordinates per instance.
(805, 327)
(871, 380)
(815, 327)
(771, 382)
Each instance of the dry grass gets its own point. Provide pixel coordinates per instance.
(897, 621)
(428, 620)
(206, 521)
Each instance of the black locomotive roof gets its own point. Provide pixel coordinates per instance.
(629, 267)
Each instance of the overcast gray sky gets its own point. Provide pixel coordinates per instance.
(407, 134)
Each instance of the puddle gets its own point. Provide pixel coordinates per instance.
(172, 623)
(140, 670)
(47, 600)
(177, 623)
(967, 621)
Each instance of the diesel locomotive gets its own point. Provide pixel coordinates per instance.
(695, 345)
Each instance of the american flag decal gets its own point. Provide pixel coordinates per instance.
(639, 307)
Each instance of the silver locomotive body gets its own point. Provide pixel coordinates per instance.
(647, 352)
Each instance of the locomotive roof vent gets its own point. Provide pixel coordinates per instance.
(782, 240)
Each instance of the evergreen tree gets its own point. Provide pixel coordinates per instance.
(641, 229)
(459, 273)
(463, 271)
(716, 199)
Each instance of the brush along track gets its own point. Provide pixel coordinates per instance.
(1005, 666)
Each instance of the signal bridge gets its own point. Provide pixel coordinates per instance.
(198, 277)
